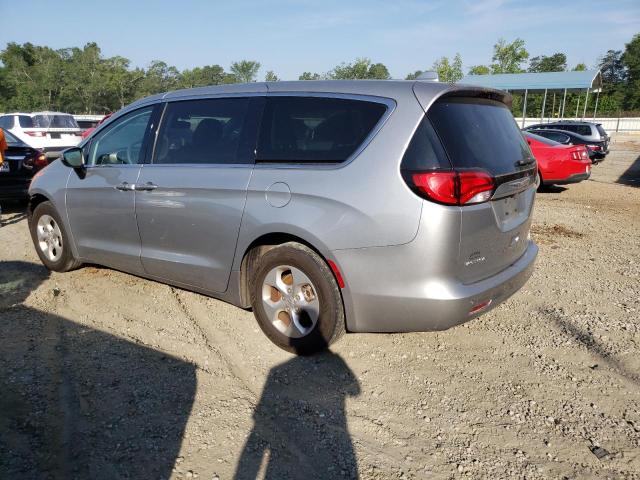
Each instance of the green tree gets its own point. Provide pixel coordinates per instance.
(509, 57)
(580, 67)
(414, 75)
(202, 76)
(361, 69)
(612, 67)
(245, 71)
(309, 76)
(631, 62)
(479, 70)
(449, 71)
(553, 63)
(271, 77)
(159, 77)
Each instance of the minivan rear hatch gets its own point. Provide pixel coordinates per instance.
(478, 133)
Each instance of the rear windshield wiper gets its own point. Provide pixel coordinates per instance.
(522, 163)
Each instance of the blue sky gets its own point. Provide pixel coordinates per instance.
(290, 37)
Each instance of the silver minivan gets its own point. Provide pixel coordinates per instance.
(328, 206)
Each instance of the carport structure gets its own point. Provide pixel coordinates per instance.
(587, 81)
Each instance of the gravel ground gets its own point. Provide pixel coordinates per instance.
(105, 375)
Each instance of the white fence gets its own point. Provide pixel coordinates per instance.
(615, 124)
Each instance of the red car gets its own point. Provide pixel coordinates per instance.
(89, 131)
(559, 164)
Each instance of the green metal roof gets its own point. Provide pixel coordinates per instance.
(519, 82)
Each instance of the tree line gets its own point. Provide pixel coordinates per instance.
(83, 80)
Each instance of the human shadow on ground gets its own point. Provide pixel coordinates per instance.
(76, 402)
(300, 425)
(596, 347)
(631, 176)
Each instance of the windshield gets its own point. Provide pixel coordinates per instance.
(540, 139)
(479, 133)
(54, 121)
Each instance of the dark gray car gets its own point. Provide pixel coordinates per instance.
(332, 206)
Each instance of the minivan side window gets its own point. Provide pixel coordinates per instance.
(315, 129)
(121, 143)
(206, 131)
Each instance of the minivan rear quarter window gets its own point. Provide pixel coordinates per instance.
(479, 133)
(315, 129)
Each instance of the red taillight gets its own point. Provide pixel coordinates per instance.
(454, 188)
(595, 147)
(32, 133)
(41, 161)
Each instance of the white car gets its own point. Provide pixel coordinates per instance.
(51, 132)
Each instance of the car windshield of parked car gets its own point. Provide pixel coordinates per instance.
(51, 121)
(479, 133)
(546, 141)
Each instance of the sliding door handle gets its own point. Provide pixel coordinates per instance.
(147, 187)
(125, 187)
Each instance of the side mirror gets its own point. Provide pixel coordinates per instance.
(72, 157)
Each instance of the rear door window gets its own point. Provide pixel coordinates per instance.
(583, 129)
(26, 121)
(208, 131)
(479, 133)
(315, 129)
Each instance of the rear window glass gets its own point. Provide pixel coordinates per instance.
(479, 133)
(558, 137)
(601, 130)
(315, 129)
(54, 121)
(425, 150)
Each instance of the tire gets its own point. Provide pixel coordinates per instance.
(541, 186)
(51, 240)
(304, 279)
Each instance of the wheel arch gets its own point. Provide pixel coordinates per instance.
(264, 243)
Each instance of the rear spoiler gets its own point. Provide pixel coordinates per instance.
(429, 92)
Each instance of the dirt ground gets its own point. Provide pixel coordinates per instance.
(105, 375)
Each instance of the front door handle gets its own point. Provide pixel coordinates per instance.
(147, 187)
(126, 187)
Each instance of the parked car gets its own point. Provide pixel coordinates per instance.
(569, 138)
(592, 134)
(21, 163)
(559, 164)
(91, 129)
(51, 132)
(324, 206)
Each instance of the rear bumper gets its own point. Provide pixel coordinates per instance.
(393, 300)
(575, 178)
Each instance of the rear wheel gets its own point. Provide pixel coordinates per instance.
(51, 240)
(296, 300)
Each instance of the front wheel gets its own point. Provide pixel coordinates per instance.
(51, 240)
(296, 300)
